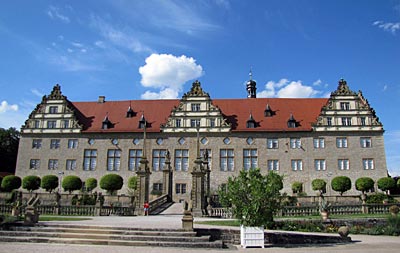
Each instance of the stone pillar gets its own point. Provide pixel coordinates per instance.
(143, 175)
(167, 176)
(198, 191)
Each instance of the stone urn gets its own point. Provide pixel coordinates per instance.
(324, 215)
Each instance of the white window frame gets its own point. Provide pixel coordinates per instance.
(297, 164)
(272, 143)
(320, 164)
(273, 165)
(341, 142)
(319, 143)
(368, 163)
(343, 164)
(295, 143)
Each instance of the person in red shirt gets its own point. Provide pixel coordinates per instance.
(146, 208)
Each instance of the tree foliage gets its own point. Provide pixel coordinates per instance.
(111, 183)
(364, 184)
(31, 183)
(71, 183)
(9, 140)
(10, 183)
(254, 197)
(341, 184)
(297, 187)
(132, 183)
(49, 182)
(91, 183)
(319, 185)
(386, 184)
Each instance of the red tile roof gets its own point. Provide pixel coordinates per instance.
(236, 111)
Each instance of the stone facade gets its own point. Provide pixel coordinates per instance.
(303, 139)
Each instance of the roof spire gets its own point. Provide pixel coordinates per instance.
(251, 86)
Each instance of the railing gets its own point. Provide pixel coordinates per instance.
(158, 202)
(293, 211)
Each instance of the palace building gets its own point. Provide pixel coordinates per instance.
(301, 138)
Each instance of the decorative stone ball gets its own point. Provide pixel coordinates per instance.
(344, 231)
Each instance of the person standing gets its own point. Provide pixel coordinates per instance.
(146, 207)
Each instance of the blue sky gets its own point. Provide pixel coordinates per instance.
(155, 49)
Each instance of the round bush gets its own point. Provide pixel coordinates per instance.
(341, 184)
(10, 183)
(386, 183)
(297, 187)
(132, 183)
(31, 183)
(318, 185)
(91, 183)
(364, 184)
(71, 183)
(49, 182)
(111, 183)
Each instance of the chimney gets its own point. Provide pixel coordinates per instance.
(101, 100)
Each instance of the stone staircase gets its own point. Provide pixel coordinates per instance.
(100, 235)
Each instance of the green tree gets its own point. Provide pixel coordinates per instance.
(364, 184)
(111, 183)
(71, 183)
(341, 184)
(254, 197)
(31, 183)
(10, 183)
(9, 140)
(386, 184)
(132, 183)
(319, 185)
(49, 182)
(91, 183)
(297, 187)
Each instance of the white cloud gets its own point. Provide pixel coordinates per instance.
(387, 26)
(37, 93)
(285, 88)
(166, 93)
(100, 44)
(4, 107)
(317, 83)
(168, 73)
(54, 13)
(385, 87)
(77, 44)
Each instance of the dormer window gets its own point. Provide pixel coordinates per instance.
(130, 113)
(106, 124)
(142, 122)
(292, 123)
(251, 123)
(268, 112)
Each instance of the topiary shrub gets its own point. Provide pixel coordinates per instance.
(319, 185)
(91, 183)
(386, 184)
(49, 183)
(71, 183)
(297, 187)
(132, 183)
(10, 183)
(379, 198)
(341, 184)
(31, 183)
(364, 184)
(111, 183)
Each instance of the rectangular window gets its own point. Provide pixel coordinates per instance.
(212, 122)
(178, 123)
(227, 158)
(368, 164)
(345, 106)
(73, 143)
(53, 164)
(113, 159)
(272, 143)
(209, 156)
(37, 124)
(181, 159)
(37, 143)
(180, 188)
(194, 122)
(158, 187)
(65, 123)
(71, 164)
(195, 107)
(51, 124)
(363, 121)
(158, 159)
(90, 159)
(341, 142)
(346, 121)
(53, 109)
(34, 164)
(297, 164)
(319, 143)
(319, 164)
(366, 142)
(249, 159)
(134, 158)
(273, 164)
(329, 121)
(295, 143)
(54, 143)
(343, 164)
